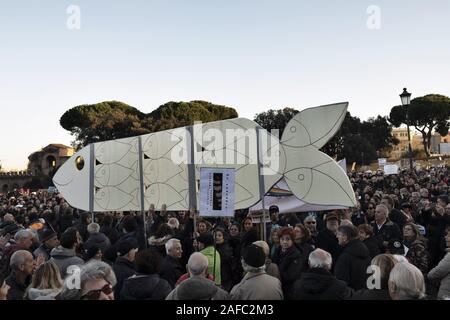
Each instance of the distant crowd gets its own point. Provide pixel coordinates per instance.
(394, 245)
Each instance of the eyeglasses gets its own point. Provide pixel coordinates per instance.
(95, 294)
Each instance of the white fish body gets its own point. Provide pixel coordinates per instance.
(312, 176)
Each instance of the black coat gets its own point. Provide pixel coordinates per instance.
(388, 231)
(171, 270)
(226, 265)
(371, 294)
(327, 241)
(397, 217)
(97, 239)
(123, 269)
(16, 290)
(111, 232)
(320, 284)
(291, 265)
(145, 287)
(373, 245)
(352, 264)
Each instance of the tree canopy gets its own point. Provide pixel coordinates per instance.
(426, 114)
(113, 119)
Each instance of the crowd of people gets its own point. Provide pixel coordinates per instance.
(393, 245)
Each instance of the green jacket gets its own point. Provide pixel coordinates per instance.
(209, 253)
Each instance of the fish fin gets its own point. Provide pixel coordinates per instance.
(324, 184)
(314, 126)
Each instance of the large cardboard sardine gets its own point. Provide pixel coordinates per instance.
(125, 174)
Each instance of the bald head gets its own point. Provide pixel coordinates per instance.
(320, 259)
(264, 246)
(22, 261)
(197, 264)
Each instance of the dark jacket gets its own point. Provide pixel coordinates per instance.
(145, 287)
(373, 245)
(123, 269)
(352, 264)
(398, 218)
(226, 265)
(291, 265)
(97, 239)
(111, 232)
(320, 284)
(171, 270)
(388, 231)
(16, 290)
(327, 241)
(371, 294)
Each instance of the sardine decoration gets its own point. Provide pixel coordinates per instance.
(312, 176)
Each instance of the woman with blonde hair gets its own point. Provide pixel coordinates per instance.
(46, 282)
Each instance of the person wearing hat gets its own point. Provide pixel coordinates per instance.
(256, 284)
(49, 240)
(326, 239)
(206, 246)
(124, 266)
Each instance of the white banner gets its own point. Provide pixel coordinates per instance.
(217, 192)
(382, 162)
(390, 169)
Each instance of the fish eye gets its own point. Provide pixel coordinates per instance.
(79, 163)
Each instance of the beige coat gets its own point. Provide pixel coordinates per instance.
(442, 272)
(257, 286)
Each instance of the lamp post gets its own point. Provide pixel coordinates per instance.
(406, 100)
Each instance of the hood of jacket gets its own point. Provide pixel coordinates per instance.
(42, 294)
(61, 252)
(357, 249)
(141, 286)
(196, 288)
(97, 238)
(316, 280)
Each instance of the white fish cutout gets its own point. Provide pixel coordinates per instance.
(153, 169)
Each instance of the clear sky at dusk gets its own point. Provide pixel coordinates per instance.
(252, 55)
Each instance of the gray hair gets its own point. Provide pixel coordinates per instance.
(93, 228)
(92, 270)
(385, 209)
(171, 243)
(408, 281)
(320, 259)
(23, 234)
(310, 217)
(197, 263)
(18, 258)
(264, 246)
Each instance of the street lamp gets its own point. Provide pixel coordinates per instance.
(406, 100)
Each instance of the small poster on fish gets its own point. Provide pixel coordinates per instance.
(217, 192)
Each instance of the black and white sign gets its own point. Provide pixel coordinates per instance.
(217, 192)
